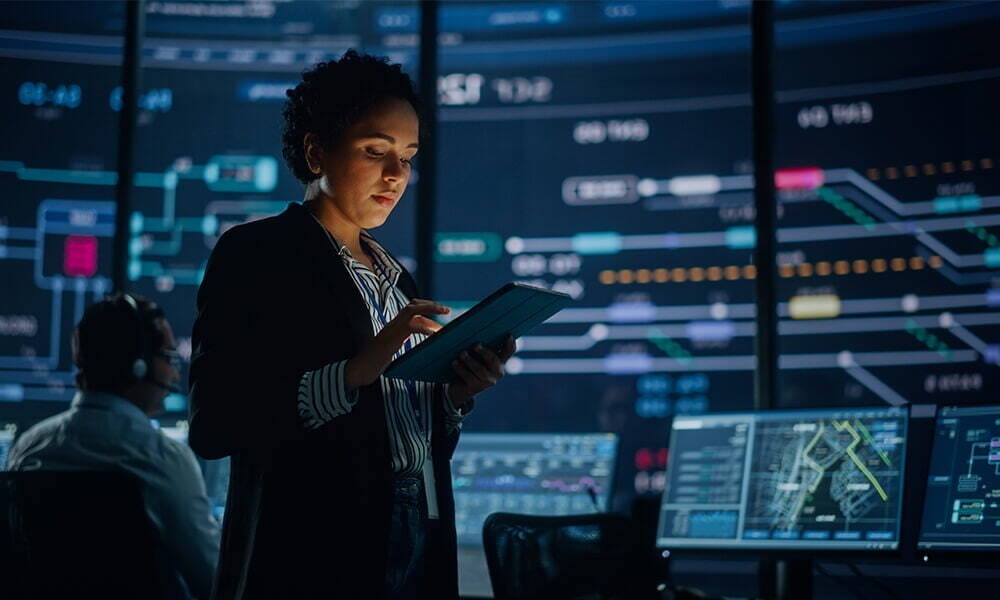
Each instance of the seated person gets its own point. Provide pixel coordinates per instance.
(124, 350)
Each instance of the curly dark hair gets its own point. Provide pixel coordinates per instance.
(332, 96)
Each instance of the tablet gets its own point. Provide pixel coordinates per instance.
(515, 309)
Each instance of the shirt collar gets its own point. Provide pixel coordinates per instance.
(384, 260)
(109, 402)
(391, 268)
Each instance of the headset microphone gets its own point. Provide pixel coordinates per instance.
(173, 389)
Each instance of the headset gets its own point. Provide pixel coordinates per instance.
(138, 368)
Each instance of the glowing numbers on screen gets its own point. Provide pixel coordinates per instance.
(958, 188)
(467, 89)
(953, 382)
(651, 464)
(597, 132)
(522, 90)
(536, 265)
(468, 247)
(460, 89)
(818, 117)
(395, 19)
(600, 189)
(18, 325)
(619, 10)
(36, 93)
(156, 100)
(654, 400)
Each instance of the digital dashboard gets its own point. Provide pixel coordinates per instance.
(823, 480)
(962, 500)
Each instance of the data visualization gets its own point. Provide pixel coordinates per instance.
(962, 501)
(57, 173)
(603, 149)
(584, 149)
(534, 474)
(889, 205)
(823, 479)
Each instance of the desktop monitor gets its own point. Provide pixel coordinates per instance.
(526, 473)
(785, 480)
(214, 472)
(962, 499)
(8, 431)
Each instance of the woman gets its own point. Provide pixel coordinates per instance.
(340, 482)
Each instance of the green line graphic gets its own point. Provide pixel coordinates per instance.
(668, 346)
(864, 431)
(857, 461)
(847, 207)
(928, 339)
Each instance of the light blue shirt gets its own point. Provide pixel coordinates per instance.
(103, 432)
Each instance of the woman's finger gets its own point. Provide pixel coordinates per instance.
(428, 304)
(509, 347)
(477, 368)
(468, 377)
(421, 324)
(490, 358)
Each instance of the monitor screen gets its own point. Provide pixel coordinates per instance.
(817, 479)
(887, 249)
(526, 473)
(962, 501)
(8, 431)
(57, 173)
(529, 473)
(215, 472)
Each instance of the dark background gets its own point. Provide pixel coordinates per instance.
(893, 102)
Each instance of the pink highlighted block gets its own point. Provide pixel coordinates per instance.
(80, 256)
(805, 178)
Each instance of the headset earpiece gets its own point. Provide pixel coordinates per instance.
(139, 369)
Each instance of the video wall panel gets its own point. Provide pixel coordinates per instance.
(887, 179)
(58, 174)
(603, 149)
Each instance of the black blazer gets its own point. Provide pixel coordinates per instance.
(308, 511)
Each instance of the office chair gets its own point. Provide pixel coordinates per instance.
(76, 535)
(593, 556)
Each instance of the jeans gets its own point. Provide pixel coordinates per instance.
(408, 532)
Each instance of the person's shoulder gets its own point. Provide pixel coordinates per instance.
(252, 232)
(46, 428)
(254, 243)
(172, 455)
(37, 435)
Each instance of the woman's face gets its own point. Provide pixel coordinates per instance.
(366, 173)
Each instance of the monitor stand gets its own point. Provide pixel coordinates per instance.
(785, 579)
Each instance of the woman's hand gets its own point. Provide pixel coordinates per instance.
(478, 369)
(368, 365)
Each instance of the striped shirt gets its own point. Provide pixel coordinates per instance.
(323, 394)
